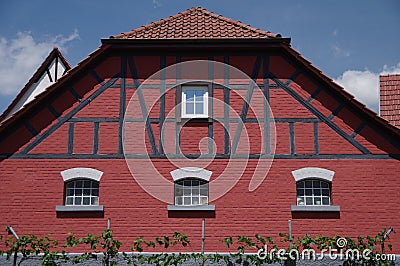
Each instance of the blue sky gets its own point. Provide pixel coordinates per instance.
(350, 41)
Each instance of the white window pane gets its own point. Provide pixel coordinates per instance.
(203, 200)
(195, 200)
(186, 201)
(79, 184)
(199, 108)
(316, 184)
(300, 184)
(178, 200)
(95, 192)
(70, 185)
(300, 192)
(324, 185)
(86, 184)
(69, 201)
(86, 200)
(300, 200)
(199, 95)
(190, 108)
(317, 201)
(70, 192)
(325, 192)
(204, 192)
(187, 191)
(308, 184)
(309, 201)
(78, 192)
(309, 192)
(195, 191)
(325, 201)
(78, 201)
(317, 192)
(94, 200)
(86, 192)
(189, 95)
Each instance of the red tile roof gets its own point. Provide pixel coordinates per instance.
(390, 98)
(196, 23)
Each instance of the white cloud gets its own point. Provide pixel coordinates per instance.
(157, 3)
(22, 55)
(339, 51)
(364, 85)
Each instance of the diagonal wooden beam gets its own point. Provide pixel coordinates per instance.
(143, 107)
(70, 114)
(245, 107)
(318, 114)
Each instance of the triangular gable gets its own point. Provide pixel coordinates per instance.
(52, 68)
(304, 74)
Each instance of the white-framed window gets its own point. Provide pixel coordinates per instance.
(191, 192)
(80, 192)
(313, 192)
(195, 101)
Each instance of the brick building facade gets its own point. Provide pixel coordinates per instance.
(197, 116)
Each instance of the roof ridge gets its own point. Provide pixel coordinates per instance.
(190, 11)
(154, 23)
(238, 23)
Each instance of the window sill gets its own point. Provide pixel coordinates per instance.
(194, 119)
(296, 208)
(191, 208)
(201, 211)
(94, 208)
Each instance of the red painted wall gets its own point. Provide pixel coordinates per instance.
(365, 189)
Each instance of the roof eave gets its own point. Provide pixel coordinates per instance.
(196, 41)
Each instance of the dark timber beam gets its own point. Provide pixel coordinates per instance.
(318, 114)
(246, 104)
(143, 107)
(122, 104)
(61, 121)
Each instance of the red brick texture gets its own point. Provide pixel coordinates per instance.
(365, 188)
(362, 188)
(390, 98)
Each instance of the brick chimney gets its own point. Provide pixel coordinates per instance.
(390, 98)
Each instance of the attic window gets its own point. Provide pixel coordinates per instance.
(195, 101)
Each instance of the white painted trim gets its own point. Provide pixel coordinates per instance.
(205, 103)
(80, 208)
(187, 172)
(191, 208)
(313, 172)
(77, 173)
(315, 208)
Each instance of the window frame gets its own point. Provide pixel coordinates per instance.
(191, 173)
(202, 184)
(313, 189)
(314, 174)
(82, 196)
(76, 174)
(194, 87)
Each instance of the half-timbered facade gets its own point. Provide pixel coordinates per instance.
(197, 116)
